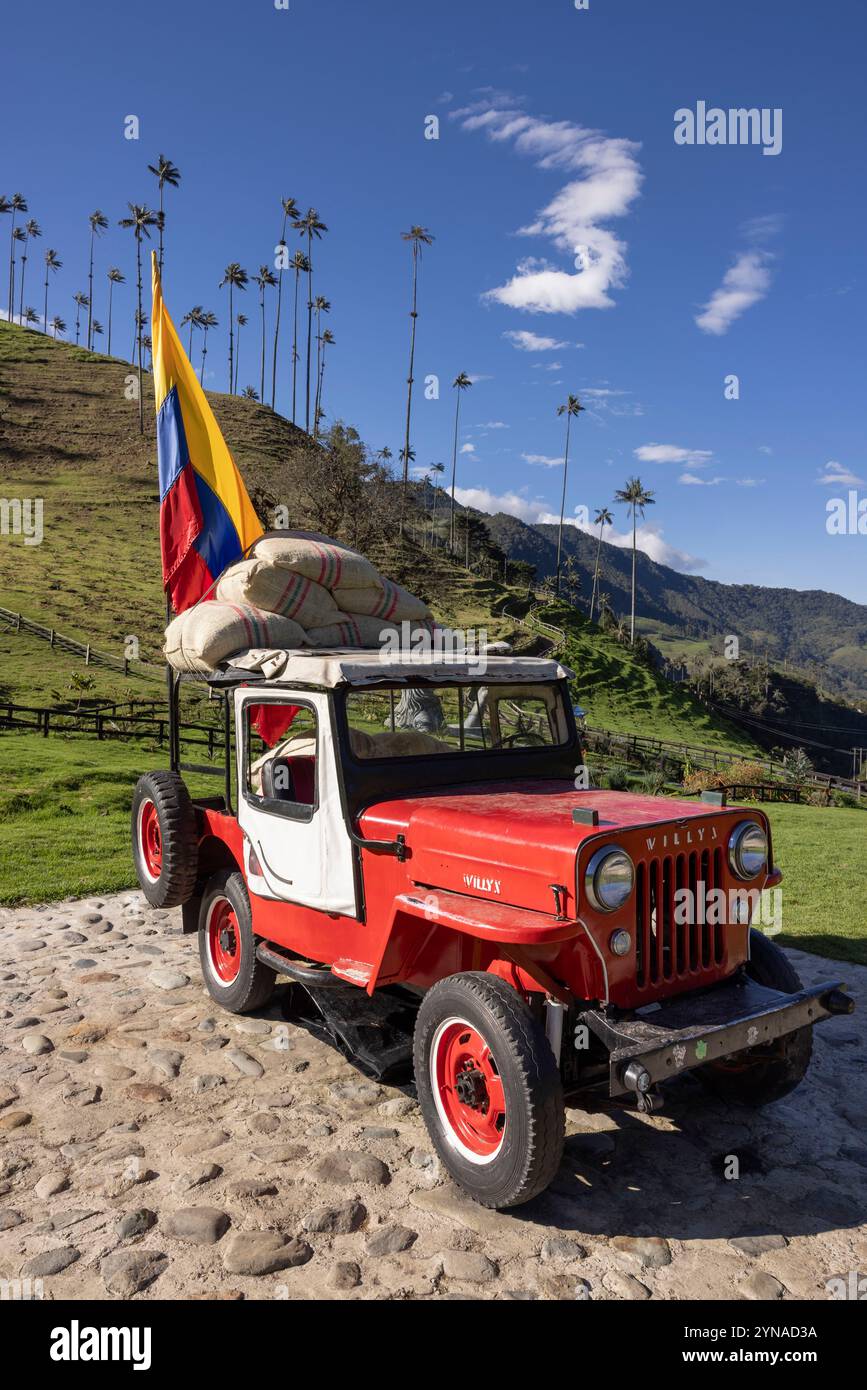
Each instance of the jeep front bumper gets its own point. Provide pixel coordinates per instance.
(655, 1043)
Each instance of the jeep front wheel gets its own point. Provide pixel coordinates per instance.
(489, 1089)
(234, 976)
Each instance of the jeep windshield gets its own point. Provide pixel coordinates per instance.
(418, 721)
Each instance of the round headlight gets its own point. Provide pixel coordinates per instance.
(609, 879)
(620, 942)
(748, 849)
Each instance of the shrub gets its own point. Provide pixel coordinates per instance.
(617, 778)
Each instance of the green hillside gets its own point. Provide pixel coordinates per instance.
(69, 436)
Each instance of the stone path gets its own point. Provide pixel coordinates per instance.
(152, 1146)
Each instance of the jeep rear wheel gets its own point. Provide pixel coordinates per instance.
(764, 1074)
(165, 839)
(231, 970)
(489, 1089)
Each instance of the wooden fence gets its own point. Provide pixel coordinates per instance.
(16, 622)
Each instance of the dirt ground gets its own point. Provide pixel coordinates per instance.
(154, 1147)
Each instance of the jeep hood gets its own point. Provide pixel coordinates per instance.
(510, 841)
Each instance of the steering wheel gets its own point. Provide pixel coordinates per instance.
(530, 740)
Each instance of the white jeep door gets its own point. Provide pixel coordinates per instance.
(296, 847)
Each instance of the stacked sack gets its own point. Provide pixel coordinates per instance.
(295, 589)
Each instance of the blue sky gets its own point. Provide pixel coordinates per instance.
(556, 147)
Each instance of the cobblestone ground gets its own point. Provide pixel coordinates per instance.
(152, 1146)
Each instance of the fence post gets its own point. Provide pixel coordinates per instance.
(99, 726)
(45, 718)
(87, 655)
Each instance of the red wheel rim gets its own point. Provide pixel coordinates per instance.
(150, 839)
(224, 942)
(468, 1090)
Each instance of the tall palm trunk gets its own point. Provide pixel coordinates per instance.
(596, 570)
(23, 267)
(454, 472)
(309, 321)
(282, 243)
(262, 371)
(139, 336)
(190, 351)
(632, 617)
(237, 360)
(319, 380)
(295, 343)
(45, 312)
(433, 524)
(162, 224)
(110, 290)
(11, 300)
(90, 293)
(204, 355)
(231, 340)
(562, 509)
(409, 380)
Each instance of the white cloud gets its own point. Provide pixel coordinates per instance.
(525, 341)
(695, 481)
(479, 377)
(468, 449)
(744, 284)
(673, 453)
(765, 449)
(836, 474)
(763, 228)
(543, 460)
(750, 482)
(607, 183)
(511, 502)
(493, 425)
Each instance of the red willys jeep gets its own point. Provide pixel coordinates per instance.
(406, 833)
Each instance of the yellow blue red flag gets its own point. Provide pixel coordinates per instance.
(206, 517)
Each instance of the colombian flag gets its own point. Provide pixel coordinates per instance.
(206, 518)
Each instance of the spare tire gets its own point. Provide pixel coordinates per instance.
(165, 839)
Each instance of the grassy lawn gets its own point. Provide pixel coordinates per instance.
(64, 814)
(822, 853)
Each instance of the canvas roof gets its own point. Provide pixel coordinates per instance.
(328, 669)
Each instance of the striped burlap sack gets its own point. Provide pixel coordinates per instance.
(390, 602)
(357, 630)
(199, 639)
(325, 561)
(278, 590)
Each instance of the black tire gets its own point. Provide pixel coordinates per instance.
(252, 984)
(521, 1060)
(766, 1074)
(165, 839)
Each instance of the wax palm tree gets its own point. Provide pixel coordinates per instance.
(290, 212)
(29, 315)
(636, 497)
(322, 306)
(140, 221)
(241, 322)
(417, 237)
(52, 264)
(141, 320)
(602, 519)
(193, 317)
(300, 265)
(97, 330)
(327, 340)
(114, 278)
(57, 326)
(250, 393)
(98, 223)
(237, 279)
(81, 302)
(31, 229)
(264, 279)
(385, 455)
(461, 382)
(164, 172)
(310, 226)
(209, 320)
(147, 344)
(571, 409)
(17, 203)
(439, 468)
